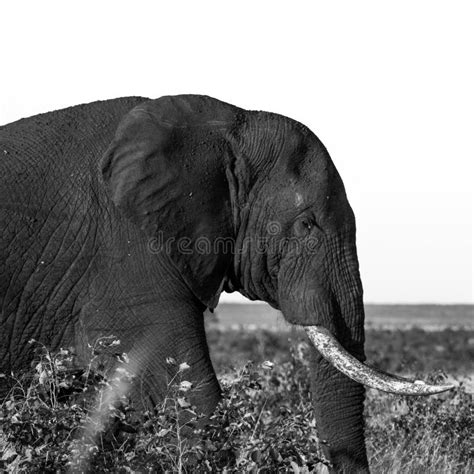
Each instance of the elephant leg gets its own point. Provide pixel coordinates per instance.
(155, 347)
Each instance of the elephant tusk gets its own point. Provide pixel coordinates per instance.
(334, 353)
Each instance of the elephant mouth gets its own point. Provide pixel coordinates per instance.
(335, 354)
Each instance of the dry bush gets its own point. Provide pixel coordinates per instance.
(263, 422)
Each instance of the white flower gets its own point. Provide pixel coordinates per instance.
(43, 377)
(122, 372)
(183, 403)
(124, 358)
(15, 418)
(183, 366)
(267, 365)
(184, 386)
(170, 361)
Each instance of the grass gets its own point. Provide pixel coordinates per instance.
(263, 423)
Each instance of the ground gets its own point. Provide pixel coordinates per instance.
(264, 421)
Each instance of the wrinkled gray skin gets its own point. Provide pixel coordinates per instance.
(87, 192)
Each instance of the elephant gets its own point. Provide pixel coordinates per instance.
(113, 219)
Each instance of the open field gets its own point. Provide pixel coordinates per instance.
(406, 352)
(404, 434)
(428, 317)
(262, 424)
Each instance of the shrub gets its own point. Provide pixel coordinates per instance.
(59, 417)
(263, 421)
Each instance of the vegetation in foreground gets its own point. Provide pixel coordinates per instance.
(263, 423)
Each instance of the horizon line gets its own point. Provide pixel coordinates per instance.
(367, 303)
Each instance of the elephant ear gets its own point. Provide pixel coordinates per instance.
(166, 171)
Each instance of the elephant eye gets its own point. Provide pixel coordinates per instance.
(307, 223)
(303, 226)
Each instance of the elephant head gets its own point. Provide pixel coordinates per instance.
(251, 202)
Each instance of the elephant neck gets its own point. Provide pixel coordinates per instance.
(256, 146)
(249, 264)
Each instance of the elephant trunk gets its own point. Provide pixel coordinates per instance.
(339, 374)
(339, 400)
(338, 409)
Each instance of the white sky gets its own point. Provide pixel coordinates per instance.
(387, 86)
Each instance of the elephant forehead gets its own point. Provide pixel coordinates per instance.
(321, 196)
(311, 186)
(288, 199)
(298, 199)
